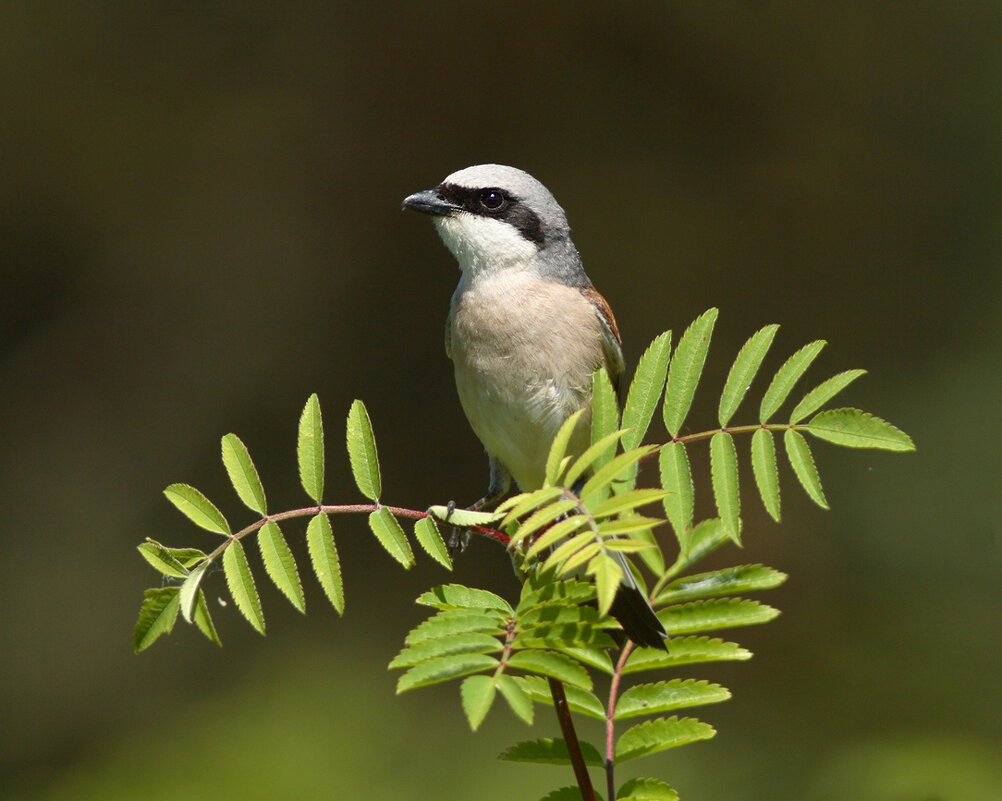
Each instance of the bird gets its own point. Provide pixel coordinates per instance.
(526, 330)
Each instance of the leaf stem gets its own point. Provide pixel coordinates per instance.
(610, 720)
(571, 739)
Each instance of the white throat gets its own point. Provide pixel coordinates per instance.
(484, 245)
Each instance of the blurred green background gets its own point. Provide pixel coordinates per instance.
(200, 226)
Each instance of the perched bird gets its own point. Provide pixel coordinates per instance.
(525, 332)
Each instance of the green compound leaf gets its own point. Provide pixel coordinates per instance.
(280, 565)
(550, 751)
(470, 643)
(685, 370)
(728, 581)
(802, 461)
(743, 371)
(786, 377)
(555, 458)
(243, 475)
(604, 415)
(164, 560)
(518, 700)
(765, 470)
(427, 534)
(685, 651)
(676, 479)
(189, 590)
(443, 668)
(719, 613)
(823, 393)
(310, 449)
(597, 455)
(362, 452)
(197, 508)
(858, 429)
(552, 664)
(241, 584)
(724, 475)
(391, 536)
(478, 695)
(453, 622)
(578, 700)
(324, 558)
(156, 617)
(665, 696)
(203, 619)
(646, 790)
(652, 736)
(645, 391)
(456, 596)
(594, 489)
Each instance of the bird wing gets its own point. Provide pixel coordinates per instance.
(612, 343)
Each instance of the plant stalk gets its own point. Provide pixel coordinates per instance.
(571, 739)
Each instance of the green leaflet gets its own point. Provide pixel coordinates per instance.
(705, 538)
(569, 548)
(391, 536)
(156, 616)
(324, 558)
(519, 505)
(802, 461)
(538, 689)
(243, 475)
(571, 591)
(549, 663)
(685, 651)
(597, 455)
(607, 574)
(552, 535)
(201, 617)
(646, 790)
(665, 696)
(362, 452)
(241, 584)
(676, 479)
(555, 458)
(310, 449)
(743, 371)
(645, 390)
(729, 580)
(685, 370)
(463, 517)
(543, 517)
(604, 415)
(594, 488)
(456, 596)
(823, 393)
(197, 508)
(550, 751)
(765, 470)
(161, 558)
(451, 622)
(719, 613)
(443, 668)
(428, 537)
(627, 501)
(518, 700)
(724, 475)
(597, 658)
(857, 429)
(473, 642)
(280, 565)
(652, 736)
(786, 377)
(477, 693)
(189, 590)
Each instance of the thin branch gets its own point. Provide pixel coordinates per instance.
(571, 740)
(610, 720)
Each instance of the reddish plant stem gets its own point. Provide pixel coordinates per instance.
(610, 722)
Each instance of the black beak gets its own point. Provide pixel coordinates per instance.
(430, 202)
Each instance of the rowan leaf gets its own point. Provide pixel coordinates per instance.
(724, 475)
(765, 470)
(857, 429)
(391, 536)
(156, 616)
(310, 449)
(241, 584)
(362, 452)
(676, 480)
(197, 508)
(802, 461)
(823, 393)
(656, 735)
(324, 558)
(685, 370)
(743, 370)
(243, 475)
(280, 565)
(478, 695)
(786, 378)
(427, 534)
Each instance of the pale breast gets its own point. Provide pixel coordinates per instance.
(524, 350)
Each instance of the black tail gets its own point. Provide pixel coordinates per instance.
(637, 618)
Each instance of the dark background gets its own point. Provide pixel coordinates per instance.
(200, 226)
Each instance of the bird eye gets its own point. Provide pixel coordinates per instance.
(492, 199)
